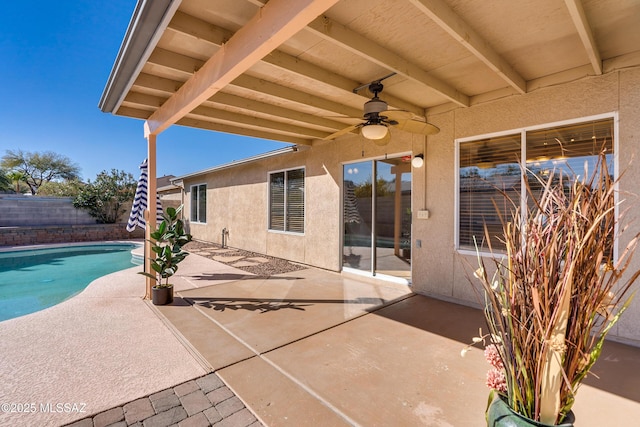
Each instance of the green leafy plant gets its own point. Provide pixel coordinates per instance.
(556, 292)
(168, 239)
(107, 198)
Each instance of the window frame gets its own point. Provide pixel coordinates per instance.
(523, 155)
(285, 215)
(197, 192)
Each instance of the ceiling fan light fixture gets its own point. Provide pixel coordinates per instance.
(374, 131)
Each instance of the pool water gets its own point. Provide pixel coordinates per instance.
(32, 280)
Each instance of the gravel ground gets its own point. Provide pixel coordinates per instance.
(251, 262)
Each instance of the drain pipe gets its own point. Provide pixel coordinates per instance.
(225, 235)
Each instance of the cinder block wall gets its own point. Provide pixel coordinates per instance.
(38, 211)
(20, 236)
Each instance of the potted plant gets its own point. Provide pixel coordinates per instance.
(552, 297)
(168, 239)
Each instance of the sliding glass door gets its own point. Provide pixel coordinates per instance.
(377, 217)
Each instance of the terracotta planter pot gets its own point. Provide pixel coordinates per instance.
(162, 296)
(501, 415)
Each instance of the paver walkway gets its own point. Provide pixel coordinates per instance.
(202, 402)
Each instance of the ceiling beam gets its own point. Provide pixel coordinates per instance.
(157, 83)
(272, 25)
(212, 114)
(132, 112)
(262, 86)
(365, 48)
(586, 35)
(448, 20)
(274, 110)
(149, 102)
(184, 65)
(168, 87)
(196, 28)
(219, 127)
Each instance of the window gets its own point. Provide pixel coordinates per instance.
(286, 201)
(490, 169)
(199, 203)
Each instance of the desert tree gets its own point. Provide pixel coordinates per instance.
(39, 168)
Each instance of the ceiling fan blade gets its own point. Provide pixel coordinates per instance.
(417, 126)
(342, 132)
(398, 115)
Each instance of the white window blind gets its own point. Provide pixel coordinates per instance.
(490, 172)
(489, 169)
(286, 201)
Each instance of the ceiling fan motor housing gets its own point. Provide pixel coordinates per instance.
(374, 106)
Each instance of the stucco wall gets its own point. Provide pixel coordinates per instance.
(237, 200)
(438, 269)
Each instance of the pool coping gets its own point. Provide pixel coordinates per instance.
(139, 243)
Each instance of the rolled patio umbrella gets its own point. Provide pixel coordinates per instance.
(136, 218)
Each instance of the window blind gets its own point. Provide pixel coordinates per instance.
(286, 201)
(295, 201)
(490, 169)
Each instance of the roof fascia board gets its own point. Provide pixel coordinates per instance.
(268, 154)
(148, 22)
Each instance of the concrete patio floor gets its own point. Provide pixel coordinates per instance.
(309, 347)
(313, 347)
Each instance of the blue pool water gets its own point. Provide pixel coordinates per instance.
(32, 280)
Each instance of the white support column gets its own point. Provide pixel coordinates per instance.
(150, 213)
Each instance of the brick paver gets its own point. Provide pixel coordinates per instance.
(138, 410)
(195, 402)
(219, 395)
(202, 402)
(109, 417)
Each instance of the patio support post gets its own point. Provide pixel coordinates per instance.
(150, 213)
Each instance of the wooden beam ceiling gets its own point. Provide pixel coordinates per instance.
(340, 35)
(198, 29)
(586, 35)
(274, 23)
(440, 13)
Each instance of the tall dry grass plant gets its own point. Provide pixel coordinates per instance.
(557, 291)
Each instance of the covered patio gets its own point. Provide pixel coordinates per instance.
(321, 345)
(301, 72)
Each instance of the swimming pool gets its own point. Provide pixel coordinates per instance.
(34, 279)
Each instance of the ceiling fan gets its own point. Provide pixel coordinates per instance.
(378, 118)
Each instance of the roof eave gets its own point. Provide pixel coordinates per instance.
(148, 22)
(235, 163)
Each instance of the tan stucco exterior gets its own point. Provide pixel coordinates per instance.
(438, 269)
(237, 196)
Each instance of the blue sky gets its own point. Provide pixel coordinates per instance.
(55, 58)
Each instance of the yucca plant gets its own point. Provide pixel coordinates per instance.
(556, 292)
(167, 243)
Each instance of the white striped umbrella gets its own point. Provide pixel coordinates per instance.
(136, 218)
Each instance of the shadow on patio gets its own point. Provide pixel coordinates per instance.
(318, 348)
